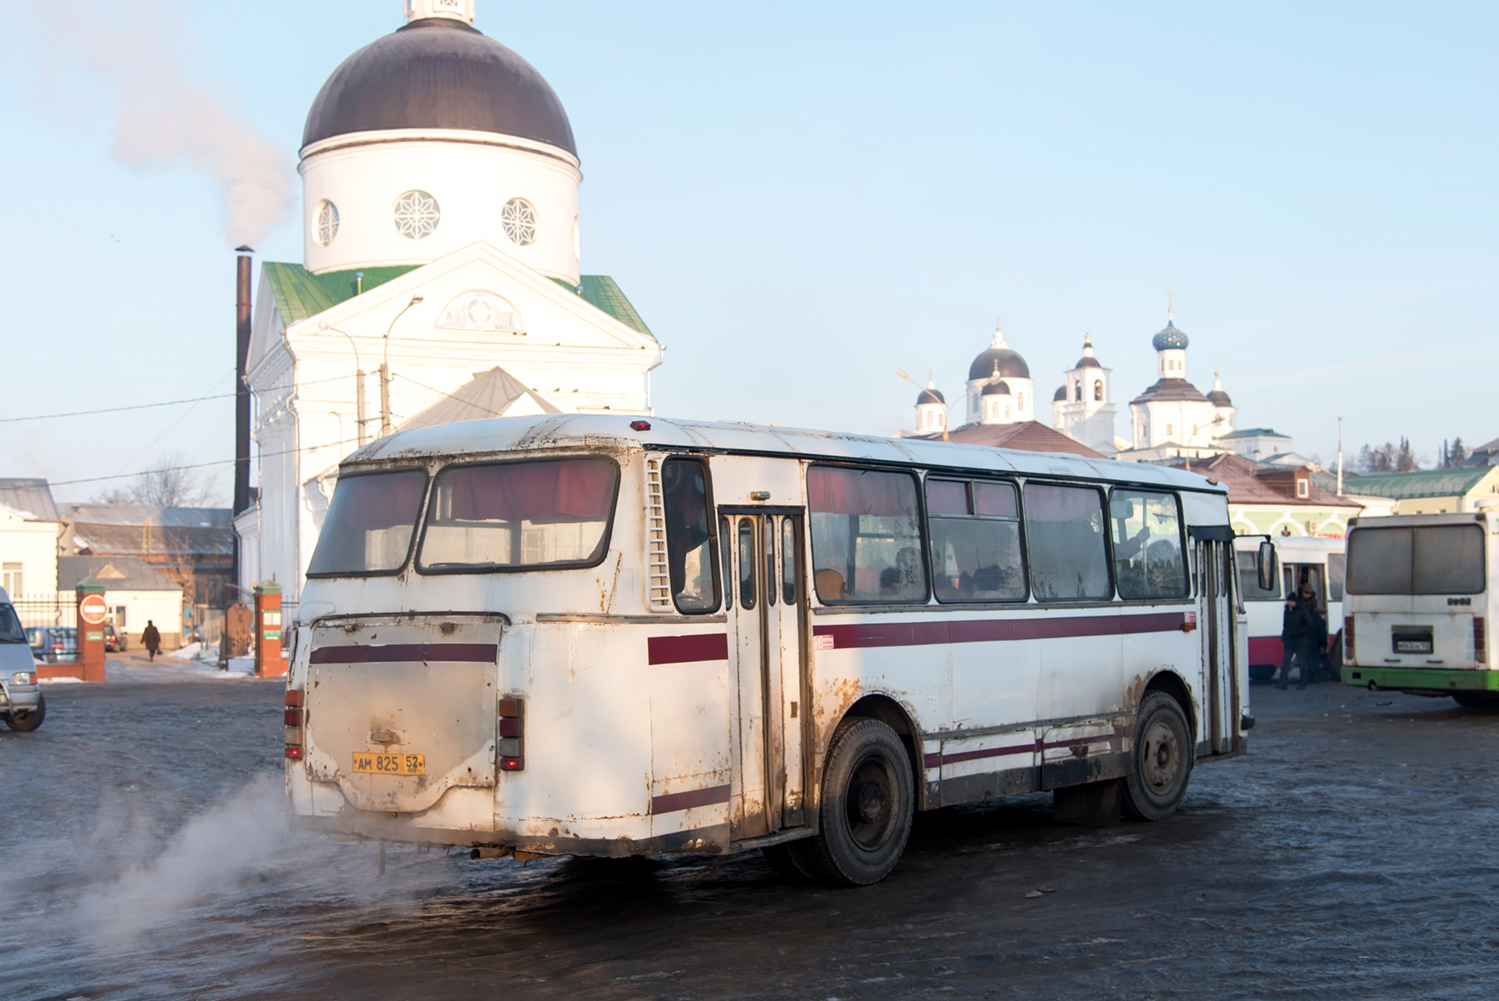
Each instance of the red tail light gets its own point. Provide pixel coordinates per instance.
(1480, 641)
(1348, 654)
(294, 696)
(293, 752)
(295, 719)
(510, 745)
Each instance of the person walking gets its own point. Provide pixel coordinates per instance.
(1298, 635)
(152, 640)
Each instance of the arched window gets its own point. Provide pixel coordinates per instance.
(1020, 403)
(1077, 391)
(481, 311)
(1098, 390)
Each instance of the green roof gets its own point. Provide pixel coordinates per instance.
(1252, 433)
(604, 294)
(1423, 483)
(299, 293)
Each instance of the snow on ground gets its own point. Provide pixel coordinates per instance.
(189, 652)
(59, 681)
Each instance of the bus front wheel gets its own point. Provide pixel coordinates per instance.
(25, 722)
(1162, 759)
(868, 799)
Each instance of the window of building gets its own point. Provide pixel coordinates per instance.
(689, 543)
(416, 215)
(327, 222)
(1098, 390)
(1169, 432)
(1077, 391)
(483, 311)
(1303, 489)
(11, 578)
(1064, 530)
(866, 536)
(1148, 551)
(974, 528)
(1020, 403)
(519, 220)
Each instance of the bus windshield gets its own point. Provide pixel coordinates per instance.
(519, 515)
(1427, 559)
(369, 525)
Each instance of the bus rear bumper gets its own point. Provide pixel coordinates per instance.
(361, 826)
(1433, 681)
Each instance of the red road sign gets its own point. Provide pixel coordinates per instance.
(93, 609)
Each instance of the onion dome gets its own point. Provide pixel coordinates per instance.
(1060, 396)
(1169, 338)
(998, 359)
(1000, 388)
(438, 73)
(1218, 397)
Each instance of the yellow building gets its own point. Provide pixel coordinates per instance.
(1431, 491)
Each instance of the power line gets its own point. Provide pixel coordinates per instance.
(148, 406)
(195, 465)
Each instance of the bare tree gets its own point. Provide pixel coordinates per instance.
(166, 482)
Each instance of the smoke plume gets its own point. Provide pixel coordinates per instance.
(162, 118)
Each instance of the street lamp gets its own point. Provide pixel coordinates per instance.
(358, 386)
(1216, 420)
(385, 427)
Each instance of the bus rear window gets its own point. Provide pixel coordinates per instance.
(519, 515)
(1428, 559)
(369, 524)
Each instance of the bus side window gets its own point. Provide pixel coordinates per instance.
(866, 536)
(747, 562)
(726, 549)
(689, 549)
(974, 528)
(1335, 572)
(1064, 533)
(1148, 559)
(788, 561)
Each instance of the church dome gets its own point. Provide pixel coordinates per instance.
(1220, 399)
(438, 73)
(930, 395)
(1169, 338)
(1060, 396)
(1087, 361)
(999, 360)
(1000, 388)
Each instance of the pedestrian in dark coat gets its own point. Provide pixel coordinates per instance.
(1298, 638)
(152, 639)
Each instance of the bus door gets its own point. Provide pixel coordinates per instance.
(766, 592)
(1218, 623)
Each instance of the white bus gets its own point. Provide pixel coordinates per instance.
(599, 635)
(1419, 604)
(1316, 563)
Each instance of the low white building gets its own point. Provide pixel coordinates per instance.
(135, 592)
(29, 526)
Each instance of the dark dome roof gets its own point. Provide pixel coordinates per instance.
(1169, 338)
(930, 396)
(1220, 399)
(1000, 388)
(1011, 365)
(1086, 362)
(438, 73)
(1060, 394)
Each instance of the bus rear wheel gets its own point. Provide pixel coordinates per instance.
(1162, 759)
(868, 800)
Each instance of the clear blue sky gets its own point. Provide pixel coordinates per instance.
(802, 198)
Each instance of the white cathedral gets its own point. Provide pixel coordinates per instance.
(440, 279)
(1170, 419)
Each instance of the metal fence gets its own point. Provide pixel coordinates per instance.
(58, 610)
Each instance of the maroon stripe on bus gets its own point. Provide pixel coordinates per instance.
(872, 634)
(672, 802)
(390, 653)
(687, 649)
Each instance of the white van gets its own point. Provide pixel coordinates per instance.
(21, 702)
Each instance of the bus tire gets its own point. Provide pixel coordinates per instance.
(1477, 700)
(1162, 759)
(868, 800)
(28, 721)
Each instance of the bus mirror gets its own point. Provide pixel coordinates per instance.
(1264, 564)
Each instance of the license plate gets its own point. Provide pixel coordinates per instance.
(1413, 646)
(390, 764)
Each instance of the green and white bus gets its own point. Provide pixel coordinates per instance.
(1418, 603)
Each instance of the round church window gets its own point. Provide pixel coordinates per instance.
(327, 222)
(416, 215)
(519, 220)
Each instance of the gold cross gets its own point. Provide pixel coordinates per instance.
(1169, 296)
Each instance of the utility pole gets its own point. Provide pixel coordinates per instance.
(385, 425)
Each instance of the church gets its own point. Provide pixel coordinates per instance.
(441, 275)
(1170, 419)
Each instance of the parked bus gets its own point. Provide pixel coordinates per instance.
(1419, 603)
(1314, 563)
(599, 635)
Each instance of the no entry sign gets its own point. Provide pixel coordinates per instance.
(93, 609)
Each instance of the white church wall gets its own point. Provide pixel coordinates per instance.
(470, 175)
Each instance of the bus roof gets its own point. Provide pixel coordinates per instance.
(502, 435)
